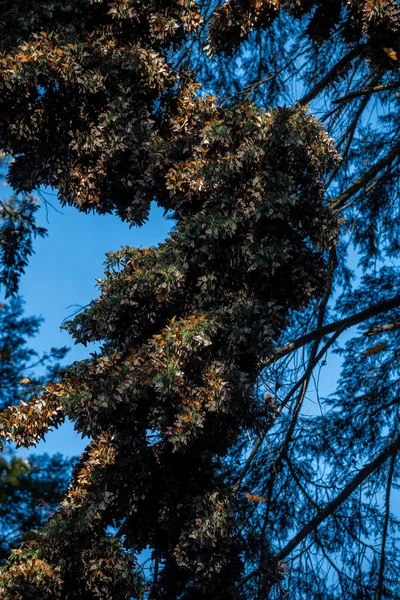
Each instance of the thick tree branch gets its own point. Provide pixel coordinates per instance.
(367, 91)
(339, 202)
(342, 324)
(333, 74)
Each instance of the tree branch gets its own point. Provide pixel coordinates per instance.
(338, 202)
(361, 476)
(278, 411)
(367, 91)
(383, 328)
(379, 589)
(307, 375)
(333, 74)
(342, 324)
(349, 134)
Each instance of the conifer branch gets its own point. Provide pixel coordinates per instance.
(332, 75)
(342, 324)
(367, 91)
(361, 476)
(379, 590)
(281, 406)
(340, 201)
(383, 329)
(390, 451)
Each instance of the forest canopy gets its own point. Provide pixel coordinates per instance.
(269, 131)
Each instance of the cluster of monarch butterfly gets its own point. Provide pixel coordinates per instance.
(183, 326)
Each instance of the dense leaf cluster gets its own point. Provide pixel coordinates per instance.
(94, 77)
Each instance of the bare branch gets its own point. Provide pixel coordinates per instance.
(340, 201)
(342, 324)
(333, 74)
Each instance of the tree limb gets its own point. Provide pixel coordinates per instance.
(383, 328)
(307, 375)
(343, 324)
(349, 134)
(338, 202)
(367, 91)
(379, 589)
(279, 409)
(333, 74)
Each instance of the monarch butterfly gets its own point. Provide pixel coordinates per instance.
(255, 498)
(391, 53)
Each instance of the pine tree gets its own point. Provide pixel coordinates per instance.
(96, 101)
(29, 487)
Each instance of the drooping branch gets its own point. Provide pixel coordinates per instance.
(307, 375)
(281, 406)
(27, 423)
(361, 476)
(348, 136)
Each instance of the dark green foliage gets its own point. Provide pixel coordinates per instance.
(17, 358)
(30, 489)
(82, 72)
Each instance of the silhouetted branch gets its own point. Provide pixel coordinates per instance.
(339, 202)
(333, 74)
(342, 324)
(379, 588)
(312, 525)
(367, 91)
